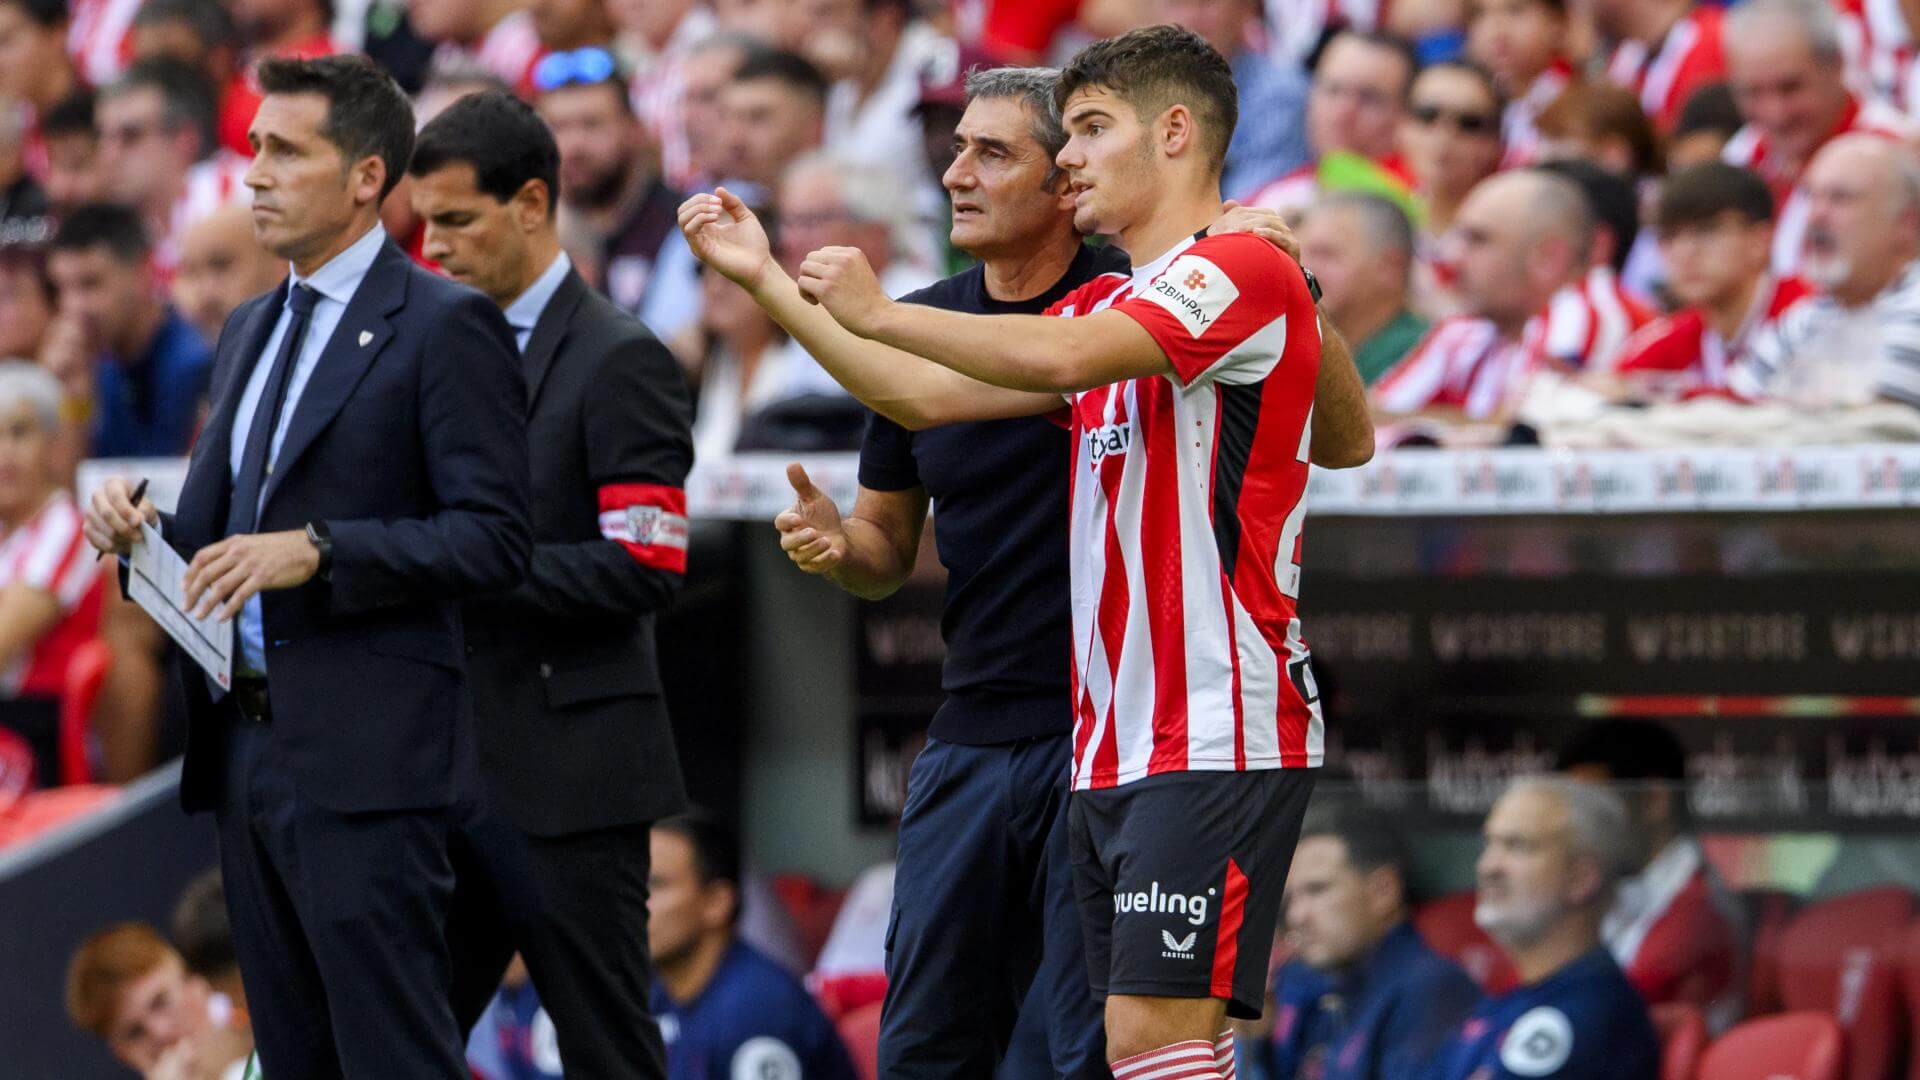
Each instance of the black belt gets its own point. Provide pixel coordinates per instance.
(250, 697)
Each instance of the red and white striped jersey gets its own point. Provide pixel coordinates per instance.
(1519, 123)
(1750, 149)
(210, 184)
(99, 37)
(1463, 363)
(50, 553)
(1687, 58)
(1188, 504)
(508, 50)
(1588, 322)
(1684, 354)
(1880, 52)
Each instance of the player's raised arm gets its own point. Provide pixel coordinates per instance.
(1035, 353)
(904, 388)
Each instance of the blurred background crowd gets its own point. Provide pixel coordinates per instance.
(1568, 223)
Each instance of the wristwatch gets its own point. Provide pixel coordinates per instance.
(1313, 284)
(321, 538)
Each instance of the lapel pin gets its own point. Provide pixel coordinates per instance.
(365, 336)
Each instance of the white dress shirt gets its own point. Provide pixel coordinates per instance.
(335, 283)
(526, 308)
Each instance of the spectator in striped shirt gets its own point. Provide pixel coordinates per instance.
(156, 126)
(1664, 51)
(1786, 68)
(1715, 223)
(1524, 44)
(1858, 339)
(1520, 239)
(50, 591)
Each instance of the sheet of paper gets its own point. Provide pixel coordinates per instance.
(156, 582)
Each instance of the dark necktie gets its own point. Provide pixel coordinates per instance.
(244, 510)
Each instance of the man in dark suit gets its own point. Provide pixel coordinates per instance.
(363, 470)
(574, 740)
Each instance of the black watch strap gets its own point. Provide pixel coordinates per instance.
(321, 538)
(1313, 284)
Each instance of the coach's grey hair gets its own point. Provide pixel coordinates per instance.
(872, 193)
(1032, 87)
(26, 381)
(1815, 20)
(1598, 826)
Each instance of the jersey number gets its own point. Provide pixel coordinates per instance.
(1287, 570)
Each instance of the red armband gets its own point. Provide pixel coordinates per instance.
(649, 520)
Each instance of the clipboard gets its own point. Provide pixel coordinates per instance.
(156, 576)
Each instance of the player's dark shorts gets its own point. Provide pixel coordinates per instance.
(1179, 878)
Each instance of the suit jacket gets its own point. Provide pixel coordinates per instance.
(566, 681)
(409, 442)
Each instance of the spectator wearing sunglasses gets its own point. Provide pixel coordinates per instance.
(1450, 141)
(615, 210)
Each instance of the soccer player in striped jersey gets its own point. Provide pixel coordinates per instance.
(1190, 383)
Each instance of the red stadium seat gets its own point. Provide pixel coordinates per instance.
(1910, 983)
(860, 1030)
(42, 811)
(1447, 925)
(1842, 957)
(1683, 1036)
(86, 672)
(1768, 912)
(1791, 1046)
(812, 907)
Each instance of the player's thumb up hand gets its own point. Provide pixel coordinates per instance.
(802, 483)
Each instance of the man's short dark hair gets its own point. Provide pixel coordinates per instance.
(1379, 39)
(201, 930)
(1371, 836)
(208, 19)
(47, 13)
(71, 115)
(103, 225)
(1154, 68)
(367, 115)
(1627, 749)
(1613, 201)
(188, 98)
(501, 136)
(1710, 108)
(716, 849)
(1698, 195)
(788, 68)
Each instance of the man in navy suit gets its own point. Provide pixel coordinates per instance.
(364, 469)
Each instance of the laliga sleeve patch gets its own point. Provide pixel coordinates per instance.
(765, 1058)
(1194, 291)
(1538, 1043)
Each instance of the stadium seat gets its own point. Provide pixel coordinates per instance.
(86, 672)
(811, 906)
(1768, 912)
(1683, 1036)
(1842, 957)
(860, 1030)
(42, 811)
(1910, 985)
(1448, 927)
(1790, 1046)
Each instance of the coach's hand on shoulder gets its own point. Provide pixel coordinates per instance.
(1268, 225)
(726, 236)
(841, 280)
(810, 530)
(112, 522)
(224, 576)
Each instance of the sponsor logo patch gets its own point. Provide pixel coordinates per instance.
(1195, 291)
(1158, 901)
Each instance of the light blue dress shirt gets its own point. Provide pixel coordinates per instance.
(336, 282)
(526, 308)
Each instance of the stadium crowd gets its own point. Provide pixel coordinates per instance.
(1621, 223)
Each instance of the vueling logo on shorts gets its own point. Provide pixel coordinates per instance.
(1162, 903)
